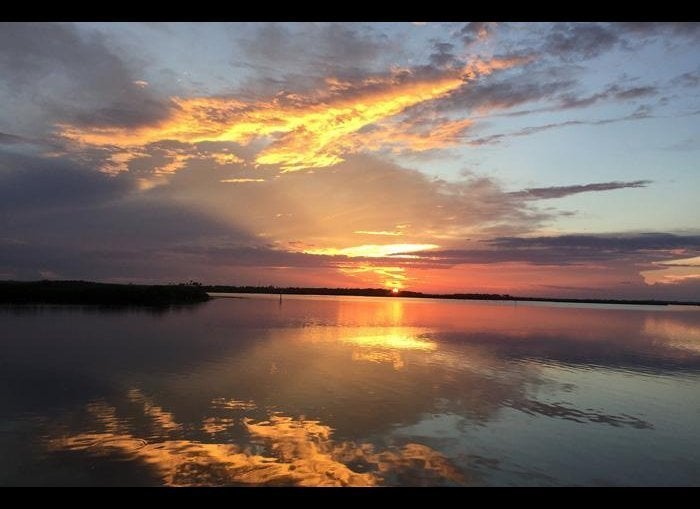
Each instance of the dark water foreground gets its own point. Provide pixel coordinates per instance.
(350, 391)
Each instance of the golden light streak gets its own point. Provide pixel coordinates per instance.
(393, 341)
(240, 181)
(366, 232)
(226, 158)
(305, 133)
(372, 250)
(393, 276)
(177, 162)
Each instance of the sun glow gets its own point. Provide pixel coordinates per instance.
(372, 250)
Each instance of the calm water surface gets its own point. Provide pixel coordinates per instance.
(350, 391)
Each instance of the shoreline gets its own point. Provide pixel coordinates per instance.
(112, 294)
(377, 292)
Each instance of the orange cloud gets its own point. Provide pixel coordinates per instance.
(382, 232)
(304, 132)
(673, 271)
(240, 181)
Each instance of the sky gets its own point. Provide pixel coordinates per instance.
(544, 159)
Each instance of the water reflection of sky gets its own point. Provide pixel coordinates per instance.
(355, 392)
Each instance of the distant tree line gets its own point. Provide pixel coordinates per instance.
(87, 293)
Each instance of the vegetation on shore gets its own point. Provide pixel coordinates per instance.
(110, 294)
(385, 292)
(89, 293)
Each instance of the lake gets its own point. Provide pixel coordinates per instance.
(350, 391)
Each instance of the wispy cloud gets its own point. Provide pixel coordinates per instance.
(545, 193)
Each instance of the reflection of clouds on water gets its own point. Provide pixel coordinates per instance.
(232, 404)
(164, 419)
(213, 425)
(561, 411)
(289, 452)
(675, 334)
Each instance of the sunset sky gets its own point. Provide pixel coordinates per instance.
(544, 159)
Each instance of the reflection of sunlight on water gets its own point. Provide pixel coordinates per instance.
(375, 344)
(393, 358)
(393, 341)
(676, 334)
(296, 451)
(387, 347)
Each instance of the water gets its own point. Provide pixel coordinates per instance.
(350, 391)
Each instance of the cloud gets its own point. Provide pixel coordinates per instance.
(570, 41)
(507, 91)
(28, 183)
(476, 31)
(443, 54)
(75, 222)
(373, 250)
(306, 131)
(52, 71)
(563, 250)
(642, 112)
(10, 139)
(315, 47)
(544, 193)
(368, 194)
(674, 272)
(650, 29)
(620, 242)
(688, 79)
(612, 92)
(686, 144)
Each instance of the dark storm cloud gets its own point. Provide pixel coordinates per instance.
(544, 193)
(571, 249)
(622, 243)
(71, 77)
(31, 182)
